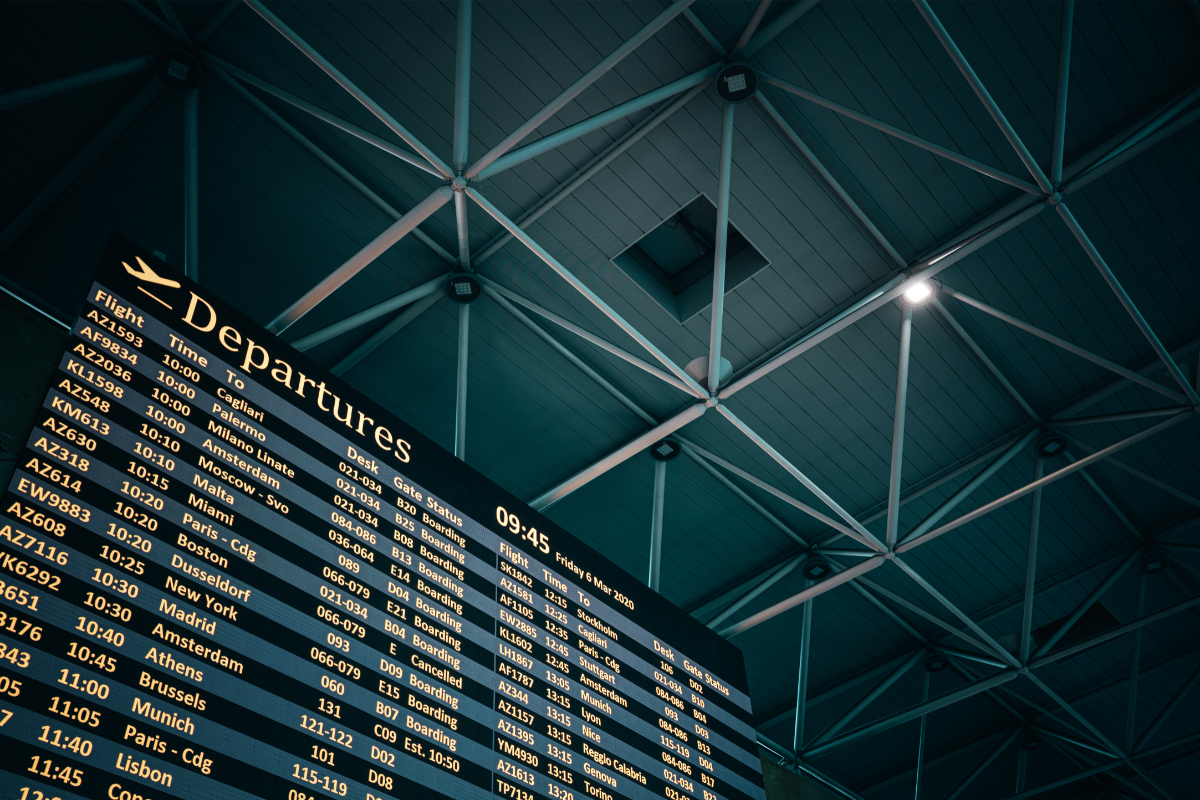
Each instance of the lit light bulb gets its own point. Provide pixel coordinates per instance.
(918, 293)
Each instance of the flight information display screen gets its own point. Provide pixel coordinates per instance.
(226, 574)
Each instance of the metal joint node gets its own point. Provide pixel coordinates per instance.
(1054, 199)
(711, 401)
(458, 183)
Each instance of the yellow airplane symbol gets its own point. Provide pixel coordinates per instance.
(147, 274)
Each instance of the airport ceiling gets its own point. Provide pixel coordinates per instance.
(887, 143)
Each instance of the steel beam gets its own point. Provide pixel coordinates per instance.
(987, 762)
(1128, 374)
(956, 611)
(705, 33)
(693, 453)
(920, 612)
(1052, 477)
(462, 86)
(984, 97)
(886, 291)
(831, 181)
(153, 18)
(1071, 740)
(859, 533)
(1035, 521)
(967, 655)
(358, 94)
(893, 507)
(174, 22)
(1121, 465)
(779, 574)
(383, 334)
(374, 312)
(572, 91)
(1078, 776)
(887, 723)
(582, 288)
(1104, 498)
(588, 171)
(215, 21)
(80, 162)
(394, 233)
(621, 111)
(778, 25)
(219, 66)
(969, 488)
(560, 348)
(52, 88)
(460, 397)
(584, 334)
(787, 498)
(1117, 632)
(635, 446)
(1119, 417)
(1060, 100)
(706, 607)
(191, 184)
(720, 248)
(830, 583)
(921, 739)
(903, 135)
(1100, 737)
(1130, 307)
(984, 358)
(460, 224)
(755, 18)
(656, 525)
(1135, 668)
(802, 678)
(1087, 603)
(1167, 710)
(221, 72)
(870, 697)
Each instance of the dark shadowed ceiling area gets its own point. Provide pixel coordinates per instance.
(1052, 200)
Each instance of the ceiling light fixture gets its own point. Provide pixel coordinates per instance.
(463, 288)
(918, 294)
(665, 450)
(817, 569)
(936, 663)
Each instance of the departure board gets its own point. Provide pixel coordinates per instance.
(224, 573)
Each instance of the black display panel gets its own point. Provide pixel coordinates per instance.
(225, 573)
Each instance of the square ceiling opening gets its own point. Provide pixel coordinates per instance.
(673, 263)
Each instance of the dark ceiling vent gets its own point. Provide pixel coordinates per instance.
(1095, 620)
(673, 263)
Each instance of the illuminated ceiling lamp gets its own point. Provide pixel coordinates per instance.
(1052, 446)
(665, 450)
(919, 293)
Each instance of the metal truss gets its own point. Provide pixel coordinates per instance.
(1131, 761)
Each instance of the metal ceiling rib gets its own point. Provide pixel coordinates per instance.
(275, 221)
